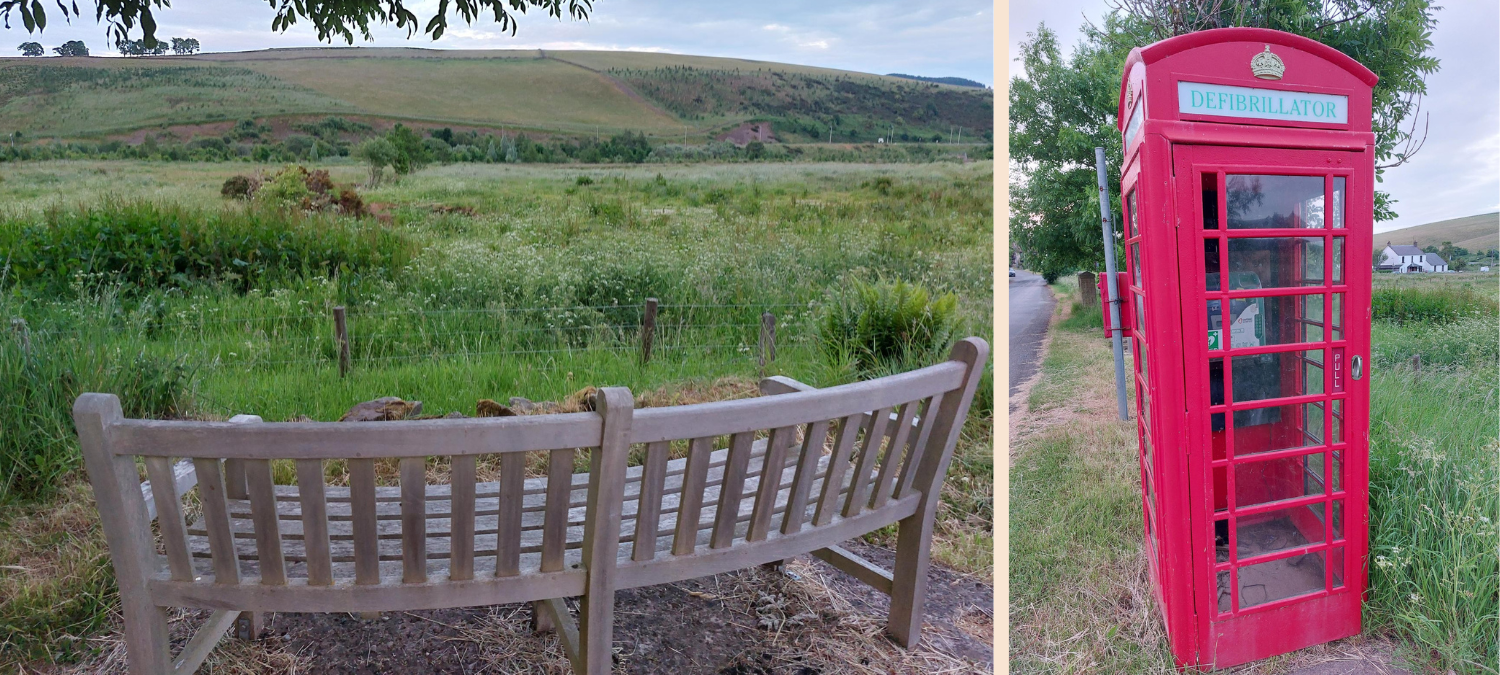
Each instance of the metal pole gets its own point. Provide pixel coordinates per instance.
(1114, 291)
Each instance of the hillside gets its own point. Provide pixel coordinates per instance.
(568, 93)
(1475, 233)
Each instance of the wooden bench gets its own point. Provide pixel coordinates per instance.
(803, 470)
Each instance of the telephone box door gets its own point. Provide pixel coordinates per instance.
(1275, 281)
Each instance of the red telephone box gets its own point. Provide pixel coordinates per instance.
(1248, 196)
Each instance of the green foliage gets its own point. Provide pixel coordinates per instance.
(31, 49)
(1435, 305)
(183, 46)
(239, 187)
(411, 154)
(72, 48)
(1061, 109)
(887, 326)
(145, 245)
(377, 153)
(286, 188)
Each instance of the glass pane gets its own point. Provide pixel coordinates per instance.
(1276, 320)
(1338, 260)
(1278, 531)
(1277, 479)
(1279, 579)
(1338, 470)
(1221, 498)
(1211, 264)
(1130, 226)
(1216, 392)
(1224, 598)
(1275, 262)
(1338, 421)
(1278, 375)
(1210, 201)
(1275, 428)
(1336, 561)
(1135, 263)
(1274, 201)
(1140, 314)
(1338, 316)
(1338, 201)
(1338, 519)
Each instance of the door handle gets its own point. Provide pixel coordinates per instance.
(1356, 367)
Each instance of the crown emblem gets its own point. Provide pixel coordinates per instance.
(1267, 66)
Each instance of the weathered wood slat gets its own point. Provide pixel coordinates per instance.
(197, 649)
(413, 520)
(838, 465)
(169, 509)
(183, 477)
(216, 517)
(856, 566)
(914, 457)
(767, 490)
(508, 524)
(648, 504)
(267, 525)
(732, 489)
(880, 492)
(555, 527)
(869, 449)
(462, 523)
(806, 474)
(314, 522)
(690, 505)
(362, 504)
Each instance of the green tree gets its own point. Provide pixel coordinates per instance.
(1061, 109)
(411, 153)
(377, 153)
(31, 49)
(184, 46)
(329, 19)
(72, 48)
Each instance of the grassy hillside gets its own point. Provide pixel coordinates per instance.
(571, 93)
(1476, 233)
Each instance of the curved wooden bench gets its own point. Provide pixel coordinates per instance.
(802, 471)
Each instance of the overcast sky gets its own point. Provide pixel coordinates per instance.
(947, 39)
(1457, 173)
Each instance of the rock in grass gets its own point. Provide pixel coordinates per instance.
(384, 409)
(488, 408)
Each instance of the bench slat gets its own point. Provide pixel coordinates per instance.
(893, 454)
(169, 517)
(267, 525)
(869, 449)
(462, 523)
(555, 527)
(914, 458)
(216, 519)
(648, 510)
(802, 482)
(512, 479)
(838, 465)
(362, 505)
(766, 491)
(413, 520)
(314, 521)
(732, 489)
(690, 505)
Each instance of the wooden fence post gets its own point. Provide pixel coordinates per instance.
(23, 335)
(341, 333)
(767, 340)
(648, 330)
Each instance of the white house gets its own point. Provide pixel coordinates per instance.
(1410, 259)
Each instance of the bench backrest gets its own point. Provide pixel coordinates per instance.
(824, 457)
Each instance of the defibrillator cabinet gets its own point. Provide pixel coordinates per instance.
(1248, 195)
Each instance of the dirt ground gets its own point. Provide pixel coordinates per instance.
(807, 620)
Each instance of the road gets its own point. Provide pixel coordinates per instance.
(1031, 306)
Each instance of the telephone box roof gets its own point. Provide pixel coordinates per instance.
(1158, 51)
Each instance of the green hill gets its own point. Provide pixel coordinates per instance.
(567, 93)
(1475, 233)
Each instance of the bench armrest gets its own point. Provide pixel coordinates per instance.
(780, 384)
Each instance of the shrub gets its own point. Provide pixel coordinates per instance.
(887, 326)
(583, 180)
(239, 187)
(286, 188)
(144, 245)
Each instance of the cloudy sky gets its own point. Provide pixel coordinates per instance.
(1456, 174)
(947, 39)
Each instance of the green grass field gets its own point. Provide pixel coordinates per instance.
(1080, 595)
(533, 288)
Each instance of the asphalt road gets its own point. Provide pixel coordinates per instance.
(1031, 306)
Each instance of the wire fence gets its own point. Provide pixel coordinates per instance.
(380, 338)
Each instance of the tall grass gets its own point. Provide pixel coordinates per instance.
(1432, 305)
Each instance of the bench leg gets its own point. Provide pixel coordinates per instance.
(250, 625)
(147, 643)
(596, 619)
(541, 621)
(909, 579)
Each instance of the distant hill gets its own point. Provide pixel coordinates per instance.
(563, 92)
(1476, 233)
(955, 81)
